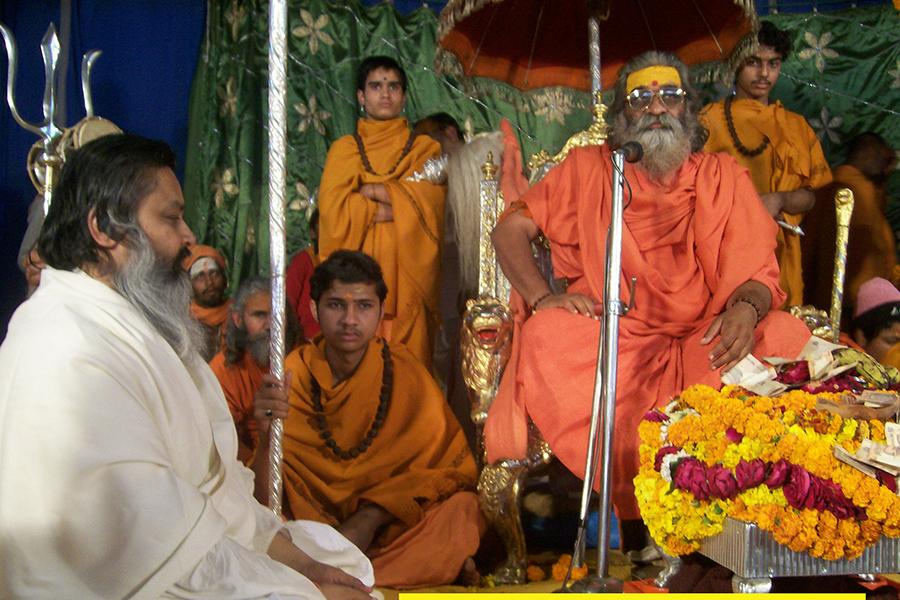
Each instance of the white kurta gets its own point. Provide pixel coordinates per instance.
(118, 465)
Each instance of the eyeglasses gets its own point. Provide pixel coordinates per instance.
(642, 98)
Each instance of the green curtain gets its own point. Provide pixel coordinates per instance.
(844, 76)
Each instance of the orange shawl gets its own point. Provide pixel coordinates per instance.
(793, 159)
(240, 382)
(407, 248)
(689, 246)
(419, 456)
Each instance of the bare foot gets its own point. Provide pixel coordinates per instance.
(469, 575)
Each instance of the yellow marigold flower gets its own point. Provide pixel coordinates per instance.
(649, 433)
(848, 430)
(871, 531)
(535, 573)
(562, 566)
(802, 541)
(683, 431)
(876, 430)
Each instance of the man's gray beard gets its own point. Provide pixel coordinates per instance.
(665, 148)
(162, 294)
(258, 347)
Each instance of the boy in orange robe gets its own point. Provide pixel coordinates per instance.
(367, 203)
(778, 147)
(701, 246)
(370, 445)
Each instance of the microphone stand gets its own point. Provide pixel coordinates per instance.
(603, 407)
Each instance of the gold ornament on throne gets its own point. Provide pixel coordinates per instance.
(822, 323)
(486, 340)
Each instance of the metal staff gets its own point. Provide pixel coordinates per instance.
(603, 408)
(277, 182)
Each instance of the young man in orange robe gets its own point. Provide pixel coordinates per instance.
(370, 445)
(701, 246)
(777, 146)
(368, 202)
(206, 267)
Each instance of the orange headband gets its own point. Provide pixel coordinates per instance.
(654, 74)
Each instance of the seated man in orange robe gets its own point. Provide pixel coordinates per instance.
(206, 267)
(701, 246)
(871, 249)
(370, 445)
(368, 201)
(244, 360)
(779, 148)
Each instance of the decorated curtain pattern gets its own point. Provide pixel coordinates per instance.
(843, 75)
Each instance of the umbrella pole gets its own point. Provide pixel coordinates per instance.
(594, 47)
(604, 399)
(277, 180)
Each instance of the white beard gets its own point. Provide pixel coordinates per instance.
(162, 293)
(665, 148)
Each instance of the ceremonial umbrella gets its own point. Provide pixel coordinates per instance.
(541, 43)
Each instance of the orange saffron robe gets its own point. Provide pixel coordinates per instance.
(793, 159)
(871, 247)
(419, 467)
(240, 382)
(689, 246)
(407, 248)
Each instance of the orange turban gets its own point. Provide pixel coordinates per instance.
(199, 251)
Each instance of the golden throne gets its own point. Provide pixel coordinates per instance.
(486, 340)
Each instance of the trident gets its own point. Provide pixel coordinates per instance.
(50, 160)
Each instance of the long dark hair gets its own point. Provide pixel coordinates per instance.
(109, 176)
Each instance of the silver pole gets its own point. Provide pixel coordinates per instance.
(594, 46)
(603, 411)
(277, 183)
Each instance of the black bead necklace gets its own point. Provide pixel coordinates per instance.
(365, 159)
(384, 401)
(729, 120)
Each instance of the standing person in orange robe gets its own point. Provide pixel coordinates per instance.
(368, 202)
(206, 267)
(244, 360)
(370, 445)
(871, 248)
(701, 246)
(779, 148)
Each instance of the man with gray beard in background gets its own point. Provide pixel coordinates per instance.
(243, 365)
(696, 238)
(118, 470)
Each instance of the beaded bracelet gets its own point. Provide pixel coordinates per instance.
(534, 304)
(759, 315)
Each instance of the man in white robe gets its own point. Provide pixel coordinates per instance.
(118, 468)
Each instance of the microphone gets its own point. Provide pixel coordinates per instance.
(631, 151)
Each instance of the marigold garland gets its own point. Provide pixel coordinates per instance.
(713, 454)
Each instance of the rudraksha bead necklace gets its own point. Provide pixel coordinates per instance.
(729, 120)
(365, 159)
(384, 401)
